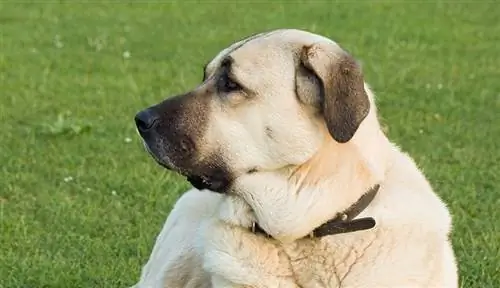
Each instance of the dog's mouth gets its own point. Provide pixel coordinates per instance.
(215, 180)
(215, 184)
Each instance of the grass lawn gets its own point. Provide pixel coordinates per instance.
(81, 202)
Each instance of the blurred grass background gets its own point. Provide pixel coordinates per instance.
(81, 202)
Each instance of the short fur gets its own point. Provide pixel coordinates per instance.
(297, 141)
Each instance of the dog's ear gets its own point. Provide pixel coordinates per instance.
(330, 79)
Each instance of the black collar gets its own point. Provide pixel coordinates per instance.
(343, 222)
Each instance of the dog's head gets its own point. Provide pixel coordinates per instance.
(266, 102)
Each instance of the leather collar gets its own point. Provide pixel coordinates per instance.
(343, 222)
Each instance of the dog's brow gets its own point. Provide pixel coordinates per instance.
(227, 62)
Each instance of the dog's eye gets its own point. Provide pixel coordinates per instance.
(231, 85)
(226, 84)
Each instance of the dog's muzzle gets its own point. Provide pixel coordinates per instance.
(177, 154)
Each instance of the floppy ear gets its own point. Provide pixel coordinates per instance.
(342, 97)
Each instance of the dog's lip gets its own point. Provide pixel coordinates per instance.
(208, 183)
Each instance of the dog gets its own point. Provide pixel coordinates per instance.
(295, 183)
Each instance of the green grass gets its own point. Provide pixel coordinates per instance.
(81, 202)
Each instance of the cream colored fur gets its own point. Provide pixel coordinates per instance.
(304, 179)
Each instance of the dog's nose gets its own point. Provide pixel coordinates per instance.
(146, 120)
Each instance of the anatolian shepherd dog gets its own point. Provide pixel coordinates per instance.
(311, 192)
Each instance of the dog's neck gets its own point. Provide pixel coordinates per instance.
(343, 222)
(304, 197)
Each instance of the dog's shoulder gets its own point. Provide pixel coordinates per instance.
(408, 198)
